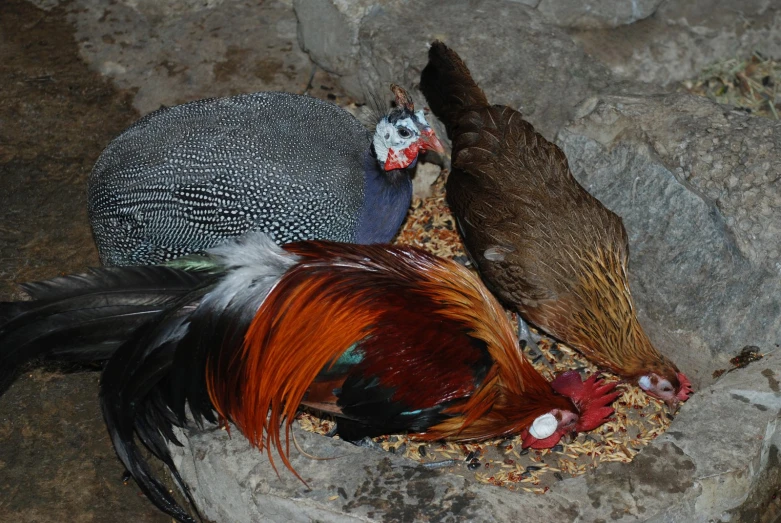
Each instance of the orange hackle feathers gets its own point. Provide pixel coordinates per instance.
(281, 354)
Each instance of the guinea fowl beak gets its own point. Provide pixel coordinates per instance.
(428, 141)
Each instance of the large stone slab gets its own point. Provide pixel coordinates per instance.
(723, 445)
(684, 36)
(697, 186)
(661, 43)
(517, 56)
(591, 14)
(717, 462)
(176, 51)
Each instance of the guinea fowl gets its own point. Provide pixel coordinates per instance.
(386, 339)
(541, 242)
(186, 178)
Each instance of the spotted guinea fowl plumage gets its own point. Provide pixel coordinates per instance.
(187, 178)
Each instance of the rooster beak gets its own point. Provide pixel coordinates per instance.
(428, 141)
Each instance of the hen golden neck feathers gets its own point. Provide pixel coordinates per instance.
(597, 317)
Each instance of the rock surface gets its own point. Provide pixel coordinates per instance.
(720, 459)
(684, 36)
(723, 443)
(697, 186)
(174, 52)
(660, 43)
(515, 54)
(592, 14)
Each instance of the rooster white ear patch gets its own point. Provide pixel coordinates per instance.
(644, 382)
(544, 426)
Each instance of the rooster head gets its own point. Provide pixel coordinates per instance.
(591, 397)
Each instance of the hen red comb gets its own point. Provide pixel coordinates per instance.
(592, 398)
(686, 387)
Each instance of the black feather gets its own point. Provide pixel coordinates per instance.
(157, 381)
(131, 404)
(85, 317)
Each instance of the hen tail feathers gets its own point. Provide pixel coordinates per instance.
(447, 84)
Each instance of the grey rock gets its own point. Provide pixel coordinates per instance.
(174, 52)
(46, 5)
(684, 36)
(515, 54)
(425, 175)
(722, 443)
(593, 14)
(530, 3)
(328, 31)
(720, 449)
(231, 481)
(697, 186)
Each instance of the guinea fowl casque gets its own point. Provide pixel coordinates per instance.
(386, 339)
(187, 178)
(541, 242)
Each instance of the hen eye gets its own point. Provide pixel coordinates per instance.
(404, 132)
(666, 389)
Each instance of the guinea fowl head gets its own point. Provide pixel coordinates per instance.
(402, 134)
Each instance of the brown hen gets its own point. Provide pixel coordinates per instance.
(541, 242)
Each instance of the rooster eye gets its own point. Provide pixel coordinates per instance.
(404, 132)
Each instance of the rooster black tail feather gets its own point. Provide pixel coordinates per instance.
(84, 318)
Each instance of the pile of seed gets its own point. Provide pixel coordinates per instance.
(637, 421)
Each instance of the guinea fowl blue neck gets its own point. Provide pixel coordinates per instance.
(387, 196)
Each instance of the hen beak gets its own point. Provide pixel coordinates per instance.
(672, 403)
(428, 141)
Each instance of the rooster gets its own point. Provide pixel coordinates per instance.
(387, 339)
(542, 243)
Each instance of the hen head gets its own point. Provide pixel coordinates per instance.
(672, 389)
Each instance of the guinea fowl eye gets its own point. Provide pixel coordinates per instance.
(404, 132)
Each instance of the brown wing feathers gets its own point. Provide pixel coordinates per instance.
(448, 85)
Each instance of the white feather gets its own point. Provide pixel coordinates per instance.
(255, 264)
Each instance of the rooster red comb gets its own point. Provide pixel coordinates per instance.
(686, 387)
(591, 397)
